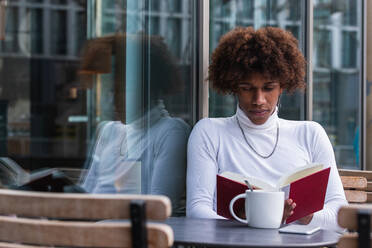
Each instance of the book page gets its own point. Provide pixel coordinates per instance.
(255, 182)
(11, 172)
(39, 173)
(299, 173)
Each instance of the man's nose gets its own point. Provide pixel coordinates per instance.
(259, 97)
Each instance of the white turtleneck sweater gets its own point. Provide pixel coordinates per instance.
(130, 159)
(217, 145)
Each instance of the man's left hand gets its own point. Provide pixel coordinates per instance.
(306, 220)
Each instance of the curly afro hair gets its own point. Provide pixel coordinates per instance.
(269, 50)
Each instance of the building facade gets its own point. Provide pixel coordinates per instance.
(71, 68)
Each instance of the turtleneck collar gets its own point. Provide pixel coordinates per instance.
(152, 116)
(247, 123)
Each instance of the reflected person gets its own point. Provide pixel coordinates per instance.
(144, 149)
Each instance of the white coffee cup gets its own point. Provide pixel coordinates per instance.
(263, 209)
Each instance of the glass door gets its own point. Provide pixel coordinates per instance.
(337, 76)
(137, 62)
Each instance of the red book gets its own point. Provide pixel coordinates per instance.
(226, 190)
(306, 186)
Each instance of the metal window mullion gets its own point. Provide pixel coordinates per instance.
(203, 59)
(308, 50)
(163, 20)
(363, 93)
(98, 19)
(184, 30)
(22, 31)
(46, 17)
(70, 32)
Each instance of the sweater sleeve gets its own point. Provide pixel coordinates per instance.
(322, 152)
(89, 182)
(202, 169)
(170, 167)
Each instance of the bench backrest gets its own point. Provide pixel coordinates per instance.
(357, 185)
(357, 219)
(57, 219)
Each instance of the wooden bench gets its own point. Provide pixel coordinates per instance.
(357, 185)
(357, 219)
(38, 219)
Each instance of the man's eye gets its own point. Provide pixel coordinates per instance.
(245, 88)
(268, 88)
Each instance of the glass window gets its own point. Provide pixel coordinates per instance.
(62, 2)
(368, 96)
(146, 79)
(33, 24)
(226, 15)
(10, 43)
(349, 42)
(104, 87)
(337, 76)
(58, 39)
(322, 47)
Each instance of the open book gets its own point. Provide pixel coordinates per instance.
(306, 186)
(13, 176)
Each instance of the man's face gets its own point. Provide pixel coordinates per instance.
(258, 96)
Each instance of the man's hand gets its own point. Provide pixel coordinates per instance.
(241, 214)
(289, 205)
(306, 220)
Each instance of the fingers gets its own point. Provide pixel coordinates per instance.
(289, 207)
(241, 213)
(306, 220)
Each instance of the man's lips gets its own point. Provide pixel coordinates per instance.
(259, 112)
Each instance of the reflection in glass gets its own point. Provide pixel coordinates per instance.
(143, 72)
(34, 16)
(104, 85)
(10, 44)
(337, 76)
(143, 149)
(225, 15)
(40, 90)
(58, 39)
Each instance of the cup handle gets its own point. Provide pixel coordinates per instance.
(245, 221)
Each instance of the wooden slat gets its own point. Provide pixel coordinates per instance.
(369, 186)
(349, 240)
(353, 182)
(80, 206)
(369, 197)
(79, 234)
(356, 196)
(357, 173)
(15, 245)
(347, 215)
